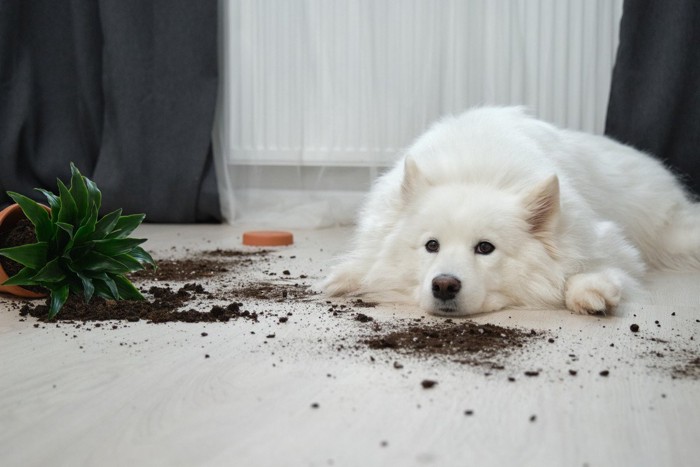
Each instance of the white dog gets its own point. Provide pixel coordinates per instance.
(495, 209)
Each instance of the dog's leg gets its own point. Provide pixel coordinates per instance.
(344, 280)
(595, 292)
(615, 265)
(678, 245)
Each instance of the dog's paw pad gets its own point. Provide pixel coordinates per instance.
(592, 294)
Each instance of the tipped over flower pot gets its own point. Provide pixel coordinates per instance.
(75, 251)
(9, 218)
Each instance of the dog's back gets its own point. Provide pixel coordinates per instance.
(637, 192)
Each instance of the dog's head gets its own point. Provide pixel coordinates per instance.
(479, 248)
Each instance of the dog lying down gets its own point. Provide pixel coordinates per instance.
(494, 209)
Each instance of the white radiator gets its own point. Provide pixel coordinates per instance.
(313, 84)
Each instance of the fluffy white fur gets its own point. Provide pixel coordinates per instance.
(575, 220)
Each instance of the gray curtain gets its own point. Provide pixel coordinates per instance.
(126, 89)
(655, 94)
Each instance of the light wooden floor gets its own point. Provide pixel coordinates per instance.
(145, 394)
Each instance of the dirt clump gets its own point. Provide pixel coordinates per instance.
(464, 342)
(363, 318)
(278, 292)
(428, 383)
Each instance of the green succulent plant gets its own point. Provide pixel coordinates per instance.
(75, 252)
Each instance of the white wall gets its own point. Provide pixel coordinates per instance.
(319, 95)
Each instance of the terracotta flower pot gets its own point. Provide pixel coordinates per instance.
(8, 219)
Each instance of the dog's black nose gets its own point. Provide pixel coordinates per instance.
(446, 287)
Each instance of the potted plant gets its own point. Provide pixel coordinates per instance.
(75, 252)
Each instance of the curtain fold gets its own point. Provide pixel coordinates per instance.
(126, 89)
(655, 94)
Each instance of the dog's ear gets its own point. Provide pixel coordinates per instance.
(413, 179)
(542, 205)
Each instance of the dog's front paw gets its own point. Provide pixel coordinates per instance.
(593, 293)
(342, 281)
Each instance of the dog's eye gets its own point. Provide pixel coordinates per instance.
(432, 246)
(484, 248)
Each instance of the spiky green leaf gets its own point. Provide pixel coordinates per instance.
(94, 261)
(130, 262)
(52, 272)
(23, 277)
(58, 243)
(127, 291)
(68, 228)
(111, 285)
(85, 231)
(142, 256)
(79, 191)
(31, 255)
(94, 194)
(69, 210)
(102, 289)
(117, 246)
(105, 225)
(54, 202)
(125, 225)
(77, 253)
(59, 295)
(88, 286)
(36, 214)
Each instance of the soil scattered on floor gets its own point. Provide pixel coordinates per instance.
(466, 342)
(166, 305)
(201, 265)
(688, 370)
(278, 292)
